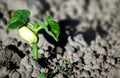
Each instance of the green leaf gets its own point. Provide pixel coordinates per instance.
(42, 75)
(54, 28)
(42, 25)
(18, 18)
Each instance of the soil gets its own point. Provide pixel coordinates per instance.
(88, 46)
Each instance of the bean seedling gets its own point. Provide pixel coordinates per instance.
(29, 31)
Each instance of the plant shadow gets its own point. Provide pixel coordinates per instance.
(67, 27)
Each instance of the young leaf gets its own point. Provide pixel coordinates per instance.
(42, 25)
(54, 28)
(18, 18)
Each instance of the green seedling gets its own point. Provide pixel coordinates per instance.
(50, 74)
(65, 71)
(68, 61)
(4, 63)
(29, 31)
(42, 75)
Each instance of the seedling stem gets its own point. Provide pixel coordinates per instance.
(35, 51)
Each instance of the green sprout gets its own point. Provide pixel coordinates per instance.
(42, 75)
(5, 63)
(29, 31)
(68, 61)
